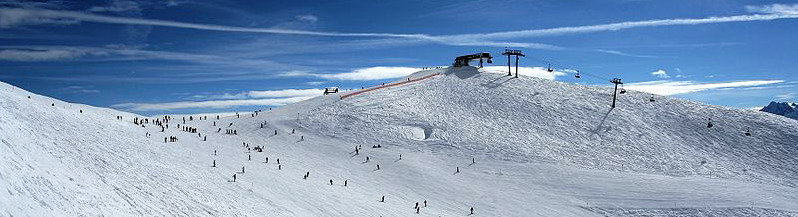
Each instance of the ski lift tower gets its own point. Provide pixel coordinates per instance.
(509, 53)
(615, 81)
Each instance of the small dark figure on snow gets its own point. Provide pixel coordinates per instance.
(472, 210)
(345, 182)
(242, 170)
(214, 163)
(331, 182)
(234, 177)
(382, 199)
(378, 167)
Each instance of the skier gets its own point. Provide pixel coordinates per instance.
(293, 130)
(345, 182)
(234, 177)
(472, 210)
(382, 199)
(416, 206)
(242, 170)
(473, 160)
(307, 175)
(458, 169)
(250, 157)
(400, 156)
(214, 152)
(425, 203)
(279, 167)
(214, 163)
(418, 210)
(367, 158)
(267, 159)
(378, 167)
(331, 182)
(278, 160)
(275, 132)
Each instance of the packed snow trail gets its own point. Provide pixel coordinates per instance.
(58, 161)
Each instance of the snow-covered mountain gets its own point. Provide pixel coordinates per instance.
(503, 146)
(785, 109)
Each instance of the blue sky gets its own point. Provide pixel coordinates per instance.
(184, 56)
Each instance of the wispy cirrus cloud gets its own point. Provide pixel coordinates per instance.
(10, 17)
(668, 87)
(774, 9)
(620, 53)
(23, 53)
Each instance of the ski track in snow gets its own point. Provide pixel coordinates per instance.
(542, 148)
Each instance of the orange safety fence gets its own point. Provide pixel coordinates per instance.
(387, 85)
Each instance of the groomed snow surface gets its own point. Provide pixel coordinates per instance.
(541, 148)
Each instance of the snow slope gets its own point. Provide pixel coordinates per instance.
(542, 148)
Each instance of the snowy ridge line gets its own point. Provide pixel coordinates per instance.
(388, 85)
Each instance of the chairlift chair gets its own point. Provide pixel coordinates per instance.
(550, 69)
(709, 124)
(748, 131)
(652, 98)
(577, 74)
(622, 90)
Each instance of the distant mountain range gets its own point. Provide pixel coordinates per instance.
(786, 109)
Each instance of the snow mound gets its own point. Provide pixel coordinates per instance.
(536, 120)
(460, 140)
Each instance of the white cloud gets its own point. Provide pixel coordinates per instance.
(307, 18)
(207, 104)
(285, 93)
(774, 9)
(667, 87)
(661, 74)
(362, 74)
(228, 100)
(538, 72)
